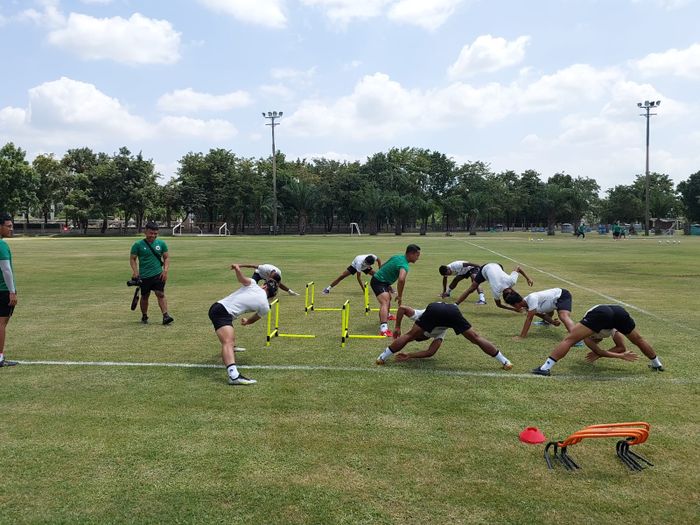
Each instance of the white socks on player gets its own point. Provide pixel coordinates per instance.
(386, 354)
(383, 327)
(548, 364)
(656, 362)
(233, 372)
(502, 359)
(482, 297)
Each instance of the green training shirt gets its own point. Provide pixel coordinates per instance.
(6, 255)
(389, 271)
(148, 263)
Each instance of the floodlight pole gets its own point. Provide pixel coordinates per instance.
(272, 115)
(647, 106)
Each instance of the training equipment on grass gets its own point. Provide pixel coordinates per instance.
(633, 433)
(345, 327)
(367, 308)
(532, 435)
(309, 297)
(276, 332)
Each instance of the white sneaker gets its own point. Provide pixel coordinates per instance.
(292, 292)
(380, 361)
(480, 302)
(326, 290)
(241, 380)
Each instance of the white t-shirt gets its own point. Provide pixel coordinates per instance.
(458, 268)
(543, 302)
(264, 270)
(249, 298)
(438, 332)
(359, 262)
(498, 279)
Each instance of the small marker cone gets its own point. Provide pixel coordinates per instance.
(532, 435)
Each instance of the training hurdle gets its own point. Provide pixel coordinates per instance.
(309, 297)
(367, 308)
(345, 327)
(276, 332)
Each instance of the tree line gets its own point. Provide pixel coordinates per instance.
(408, 188)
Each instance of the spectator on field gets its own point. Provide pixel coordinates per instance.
(8, 290)
(150, 262)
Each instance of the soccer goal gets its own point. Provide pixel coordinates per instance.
(354, 228)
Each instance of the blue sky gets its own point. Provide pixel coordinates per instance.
(544, 85)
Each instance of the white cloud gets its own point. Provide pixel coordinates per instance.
(344, 11)
(333, 155)
(677, 62)
(488, 54)
(190, 101)
(137, 40)
(12, 118)
(50, 16)
(103, 2)
(429, 15)
(268, 13)
(297, 75)
(277, 90)
(215, 129)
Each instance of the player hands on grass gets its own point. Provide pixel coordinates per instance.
(498, 281)
(248, 298)
(433, 323)
(395, 268)
(598, 322)
(460, 270)
(360, 264)
(542, 304)
(265, 272)
(618, 351)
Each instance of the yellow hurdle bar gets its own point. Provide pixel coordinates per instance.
(367, 308)
(276, 332)
(345, 327)
(309, 297)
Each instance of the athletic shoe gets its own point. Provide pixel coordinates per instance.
(579, 344)
(6, 362)
(326, 290)
(391, 317)
(444, 295)
(480, 302)
(386, 333)
(167, 319)
(144, 319)
(292, 292)
(380, 361)
(539, 372)
(508, 366)
(241, 380)
(656, 368)
(540, 323)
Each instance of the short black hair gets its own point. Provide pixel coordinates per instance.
(277, 278)
(443, 270)
(150, 225)
(412, 248)
(512, 297)
(370, 259)
(271, 286)
(4, 217)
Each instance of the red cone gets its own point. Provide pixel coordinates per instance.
(532, 435)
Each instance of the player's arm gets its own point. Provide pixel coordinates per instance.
(9, 279)
(522, 272)
(379, 262)
(526, 325)
(466, 293)
(444, 285)
(505, 307)
(245, 281)
(400, 285)
(134, 266)
(359, 280)
(246, 265)
(597, 352)
(166, 266)
(250, 320)
(429, 352)
(400, 313)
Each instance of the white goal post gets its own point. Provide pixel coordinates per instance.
(354, 227)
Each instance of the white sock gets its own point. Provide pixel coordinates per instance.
(233, 372)
(548, 364)
(2, 357)
(501, 358)
(482, 297)
(383, 327)
(655, 362)
(386, 354)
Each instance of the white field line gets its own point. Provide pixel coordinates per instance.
(363, 370)
(591, 290)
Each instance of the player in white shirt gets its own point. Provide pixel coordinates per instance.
(498, 280)
(265, 272)
(360, 264)
(248, 298)
(433, 323)
(461, 270)
(542, 304)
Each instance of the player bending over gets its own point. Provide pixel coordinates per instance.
(461, 270)
(361, 263)
(542, 304)
(266, 272)
(498, 281)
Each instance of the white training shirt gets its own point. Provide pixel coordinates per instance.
(438, 332)
(265, 270)
(498, 279)
(543, 302)
(251, 298)
(359, 262)
(458, 268)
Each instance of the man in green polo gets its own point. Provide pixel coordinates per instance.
(152, 268)
(8, 292)
(395, 268)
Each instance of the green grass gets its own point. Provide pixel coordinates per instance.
(425, 441)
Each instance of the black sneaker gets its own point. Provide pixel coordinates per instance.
(539, 372)
(144, 319)
(167, 319)
(6, 362)
(659, 368)
(241, 380)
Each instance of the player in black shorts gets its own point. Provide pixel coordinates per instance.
(8, 291)
(433, 323)
(599, 322)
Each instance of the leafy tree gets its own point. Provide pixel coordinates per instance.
(102, 190)
(301, 197)
(622, 203)
(690, 196)
(18, 181)
(51, 179)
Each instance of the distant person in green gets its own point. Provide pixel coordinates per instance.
(8, 291)
(396, 268)
(152, 268)
(581, 231)
(616, 231)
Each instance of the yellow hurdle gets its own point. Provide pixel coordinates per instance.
(367, 308)
(276, 332)
(345, 327)
(309, 296)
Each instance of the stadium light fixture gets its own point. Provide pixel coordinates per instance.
(647, 106)
(272, 116)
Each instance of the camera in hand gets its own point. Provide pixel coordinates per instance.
(134, 281)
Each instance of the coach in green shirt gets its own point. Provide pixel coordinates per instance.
(8, 292)
(395, 268)
(152, 268)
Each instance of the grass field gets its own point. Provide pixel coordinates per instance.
(326, 436)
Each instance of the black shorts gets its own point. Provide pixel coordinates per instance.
(565, 301)
(219, 316)
(378, 287)
(616, 235)
(608, 316)
(479, 277)
(5, 309)
(152, 283)
(352, 270)
(443, 314)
